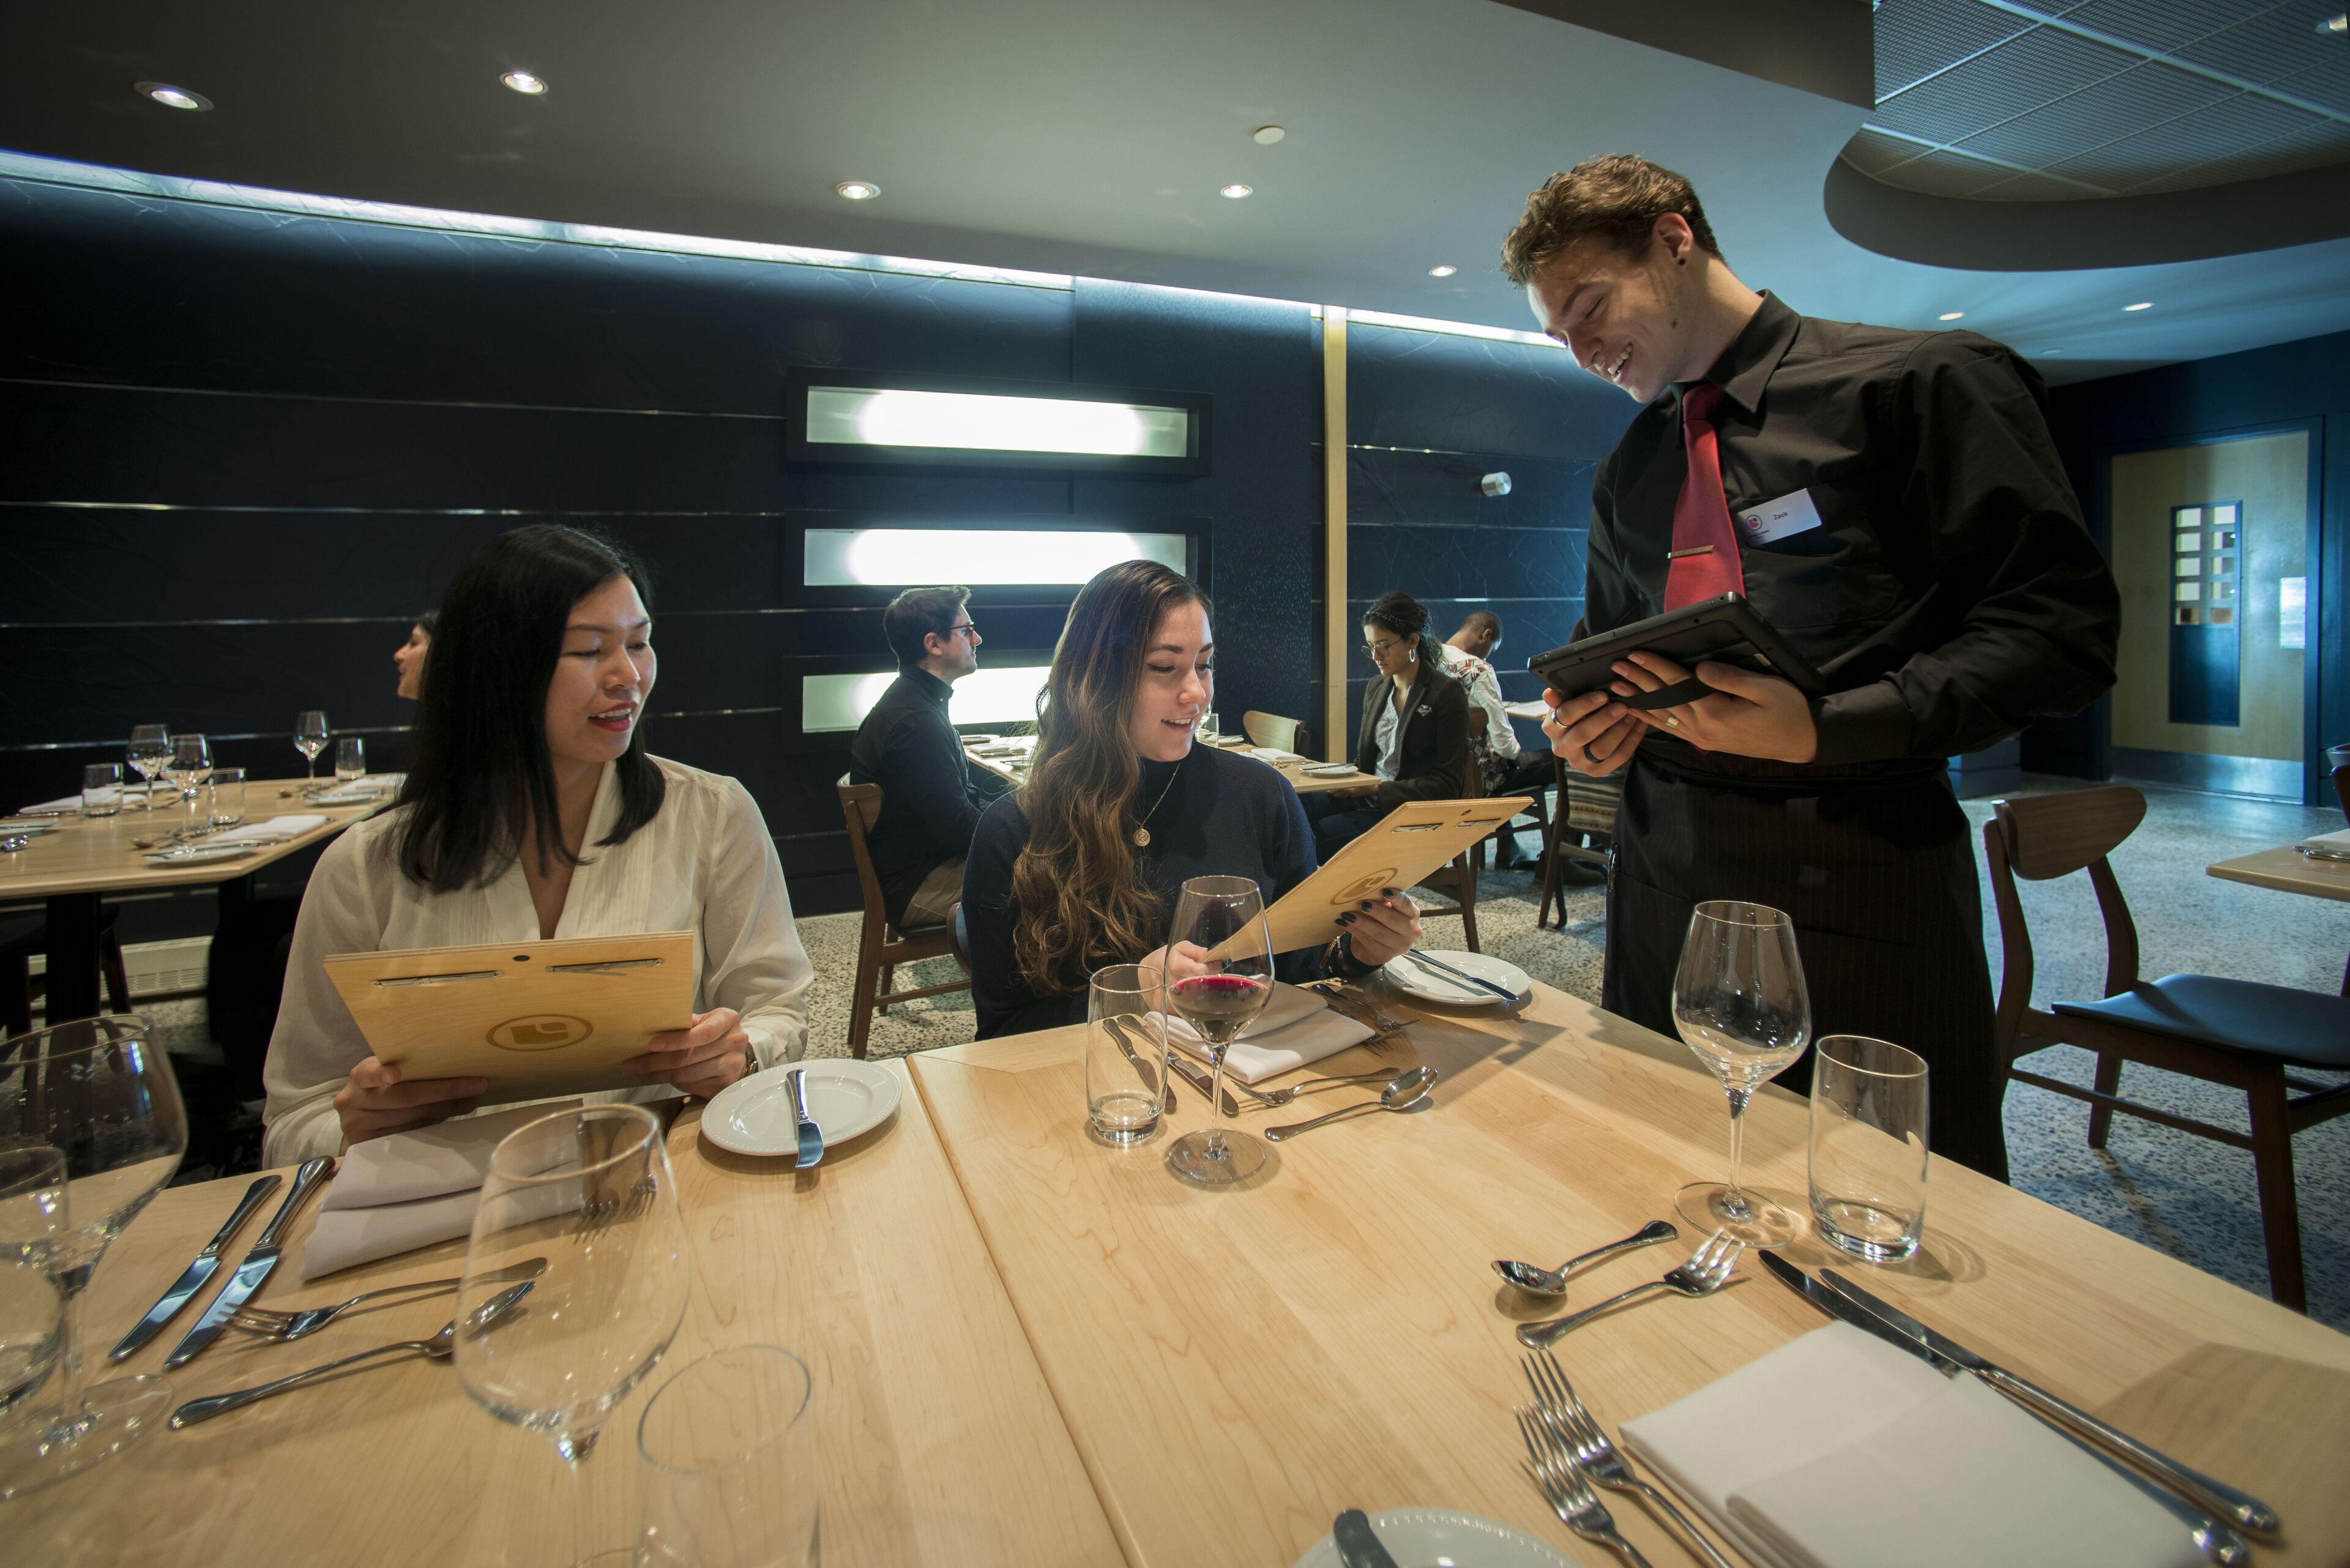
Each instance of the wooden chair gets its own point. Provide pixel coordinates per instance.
(1273, 730)
(1457, 881)
(1586, 810)
(21, 936)
(2236, 1033)
(880, 948)
(2342, 793)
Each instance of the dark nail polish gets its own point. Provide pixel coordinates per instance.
(1387, 892)
(1367, 903)
(1348, 919)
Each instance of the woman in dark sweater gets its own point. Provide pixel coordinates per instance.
(1081, 867)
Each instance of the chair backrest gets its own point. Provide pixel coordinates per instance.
(1273, 730)
(2042, 837)
(2341, 787)
(860, 808)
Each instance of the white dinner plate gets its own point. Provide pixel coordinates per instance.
(345, 796)
(28, 825)
(1424, 1537)
(1425, 985)
(197, 854)
(980, 740)
(1326, 770)
(753, 1114)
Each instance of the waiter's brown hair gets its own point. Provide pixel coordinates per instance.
(1618, 199)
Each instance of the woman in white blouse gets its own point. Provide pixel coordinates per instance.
(534, 811)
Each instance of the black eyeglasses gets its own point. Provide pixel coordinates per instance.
(969, 625)
(1373, 650)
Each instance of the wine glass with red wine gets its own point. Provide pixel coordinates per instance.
(1224, 915)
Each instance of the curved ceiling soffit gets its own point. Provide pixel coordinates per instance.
(2296, 209)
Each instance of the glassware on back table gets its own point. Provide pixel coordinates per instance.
(224, 798)
(1226, 912)
(32, 1225)
(729, 1464)
(191, 765)
(101, 1092)
(1126, 1052)
(1739, 1001)
(151, 748)
(590, 1189)
(310, 738)
(102, 789)
(351, 760)
(1868, 1146)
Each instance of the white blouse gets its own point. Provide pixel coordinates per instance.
(705, 864)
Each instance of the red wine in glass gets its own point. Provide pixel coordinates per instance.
(1223, 918)
(1221, 1005)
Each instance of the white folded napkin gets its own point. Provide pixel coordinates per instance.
(395, 1194)
(1297, 1027)
(1842, 1451)
(1274, 755)
(61, 807)
(276, 830)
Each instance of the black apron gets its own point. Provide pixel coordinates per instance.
(1876, 870)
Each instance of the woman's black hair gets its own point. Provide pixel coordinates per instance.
(431, 622)
(483, 779)
(1399, 612)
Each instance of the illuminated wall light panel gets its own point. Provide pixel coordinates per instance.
(993, 694)
(860, 417)
(909, 558)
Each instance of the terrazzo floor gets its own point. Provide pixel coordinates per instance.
(2184, 1194)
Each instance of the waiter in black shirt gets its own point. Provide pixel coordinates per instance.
(1891, 501)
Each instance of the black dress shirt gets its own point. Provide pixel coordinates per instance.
(930, 798)
(1221, 814)
(1433, 757)
(1951, 592)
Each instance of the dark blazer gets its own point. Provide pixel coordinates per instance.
(931, 797)
(1432, 763)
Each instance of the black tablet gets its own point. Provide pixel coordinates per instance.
(1725, 629)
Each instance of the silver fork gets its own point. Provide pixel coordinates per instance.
(272, 1325)
(1282, 1096)
(1707, 1271)
(1562, 1409)
(1568, 1493)
(1356, 1005)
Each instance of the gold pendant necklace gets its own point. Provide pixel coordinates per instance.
(1142, 834)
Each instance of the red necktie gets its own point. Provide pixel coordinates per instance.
(1704, 562)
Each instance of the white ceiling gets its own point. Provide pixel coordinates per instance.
(1070, 138)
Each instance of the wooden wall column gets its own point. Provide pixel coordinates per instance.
(1334, 534)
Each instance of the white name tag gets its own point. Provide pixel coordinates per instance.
(1790, 513)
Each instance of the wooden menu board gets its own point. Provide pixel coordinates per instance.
(538, 1018)
(1408, 844)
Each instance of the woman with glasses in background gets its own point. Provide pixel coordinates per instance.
(1415, 736)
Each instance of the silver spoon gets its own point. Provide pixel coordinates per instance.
(435, 1348)
(1405, 1092)
(1553, 1282)
(11, 841)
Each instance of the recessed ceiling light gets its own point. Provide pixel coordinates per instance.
(2141, 305)
(172, 96)
(857, 190)
(1952, 315)
(1266, 135)
(524, 83)
(1447, 270)
(1236, 191)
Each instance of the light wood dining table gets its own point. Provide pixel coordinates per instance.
(1032, 1348)
(81, 858)
(2287, 870)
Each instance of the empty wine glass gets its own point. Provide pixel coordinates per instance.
(101, 1093)
(33, 1226)
(310, 738)
(1739, 1001)
(591, 1191)
(151, 748)
(351, 760)
(190, 765)
(1224, 915)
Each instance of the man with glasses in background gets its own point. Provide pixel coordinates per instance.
(930, 794)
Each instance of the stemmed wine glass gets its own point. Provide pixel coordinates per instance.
(151, 748)
(592, 1190)
(101, 1092)
(191, 765)
(32, 1225)
(1224, 915)
(310, 738)
(1739, 1001)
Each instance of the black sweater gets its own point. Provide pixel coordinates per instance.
(1223, 814)
(930, 798)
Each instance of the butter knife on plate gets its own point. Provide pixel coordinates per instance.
(804, 1127)
(2239, 1508)
(207, 1263)
(1358, 1544)
(267, 1248)
(2220, 1543)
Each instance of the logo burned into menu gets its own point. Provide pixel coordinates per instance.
(540, 1031)
(1364, 887)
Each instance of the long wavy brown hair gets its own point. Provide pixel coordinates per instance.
(1080, 904)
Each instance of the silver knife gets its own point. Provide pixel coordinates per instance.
(266, 1249)
(811, 1136)
(2219, 1542)
(1143, 1070)
(1358, 1546)
(1202, 1082)
(1462, 975)
(2241, 1508)
(167, 1306)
